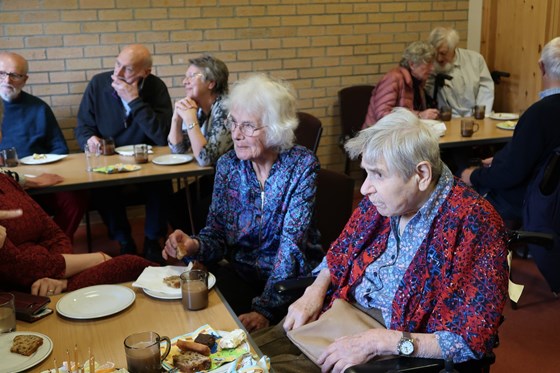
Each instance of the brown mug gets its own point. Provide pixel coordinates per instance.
(479, 111)
(468, 127)
(445, 113)
(143, 353)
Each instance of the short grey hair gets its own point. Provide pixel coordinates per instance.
(441, 35)
(418, 52)
(550, 57)
(214, 70)
(401, 140)
(273, 102)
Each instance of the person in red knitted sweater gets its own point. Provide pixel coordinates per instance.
(36, 256)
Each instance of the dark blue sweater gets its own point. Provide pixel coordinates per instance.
(537, 133)
(30, 126)
(102, 113)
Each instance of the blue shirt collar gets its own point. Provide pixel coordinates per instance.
(549, 92)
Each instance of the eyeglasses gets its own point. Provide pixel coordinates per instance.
(246, 128)
(13, 76)
(191, 76)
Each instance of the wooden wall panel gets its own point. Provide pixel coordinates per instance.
(513, 34)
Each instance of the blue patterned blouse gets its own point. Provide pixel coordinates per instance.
(214, 129)
(264, 233)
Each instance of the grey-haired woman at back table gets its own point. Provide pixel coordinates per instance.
(404, 85)
(198, 121)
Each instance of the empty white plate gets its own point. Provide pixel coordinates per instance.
(172, 159)
(95, 301)
(503, 116)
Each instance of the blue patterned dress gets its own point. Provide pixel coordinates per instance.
(264, 233)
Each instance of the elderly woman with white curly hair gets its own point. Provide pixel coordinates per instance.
(262, 204)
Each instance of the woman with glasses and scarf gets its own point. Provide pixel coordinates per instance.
(198, 122)
(263, 200)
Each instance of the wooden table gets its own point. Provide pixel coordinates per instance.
(488, 133)
(73, 169)
(105, 336)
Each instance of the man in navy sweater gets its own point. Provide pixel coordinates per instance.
(132, 106)
(30, 126)
(505, 176)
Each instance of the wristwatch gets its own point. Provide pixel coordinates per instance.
(406, 345)
(192, 125)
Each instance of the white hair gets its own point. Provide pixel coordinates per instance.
(401, 140)
(550, 57)
(446, 35)
(273, 102)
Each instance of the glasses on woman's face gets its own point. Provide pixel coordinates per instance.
(246, 128)
(13, 76)
(192, 76)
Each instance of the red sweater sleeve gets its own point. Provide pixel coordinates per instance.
(34, 242)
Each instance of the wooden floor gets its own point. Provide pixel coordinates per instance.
(529, 336)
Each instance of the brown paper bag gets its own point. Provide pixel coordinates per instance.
(342, 319)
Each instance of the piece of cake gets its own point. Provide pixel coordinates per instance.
(191, 362)
(206, 339)
(25, 344)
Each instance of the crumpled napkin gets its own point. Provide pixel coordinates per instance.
(118, 167)
(152, 278)
(437, 126)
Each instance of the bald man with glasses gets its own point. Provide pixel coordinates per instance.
(30, 126)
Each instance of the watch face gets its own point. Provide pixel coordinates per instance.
(406, 347)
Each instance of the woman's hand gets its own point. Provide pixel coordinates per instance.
(253, 321)
(429, 114)
(7, 214)
(186, 108)
(347, 351)
(466, 175)
(48, 286)
(42, 180)
(487, 162)
(179, 238)
(305, 309)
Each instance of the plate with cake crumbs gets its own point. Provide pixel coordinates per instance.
(507, 125)
(42, 158)
(13, 362)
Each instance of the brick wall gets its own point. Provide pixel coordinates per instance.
(320, 46)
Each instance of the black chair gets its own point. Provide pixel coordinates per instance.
(334, 200)
(354, 102)
(308, 132)
(498, 75)
(541, 213)
(423, 365)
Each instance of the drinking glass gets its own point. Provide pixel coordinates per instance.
(141, 153)
(468, 127)
(194, 289)
(10, 157)
(7, 313)
(92, 152)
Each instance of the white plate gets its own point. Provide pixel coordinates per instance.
(95, 301)
(507, 125)
(49, 158)
(221, 369)
(172, 159)
(503, 116)
(177, 295)
(129, 150)
(12, 362)
(437, 125)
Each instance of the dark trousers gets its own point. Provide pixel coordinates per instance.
(111, 203)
